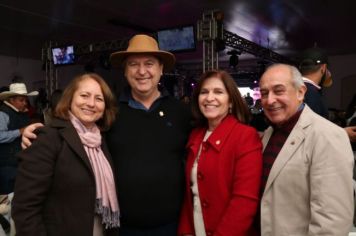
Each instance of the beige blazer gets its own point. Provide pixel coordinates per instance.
(309, 189)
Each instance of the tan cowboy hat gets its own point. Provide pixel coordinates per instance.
(143, 44)
(17, 89)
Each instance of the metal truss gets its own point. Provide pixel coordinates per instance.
(210, 30)
(208, 33)
(234, 41)
(51, 74)
(114, 45)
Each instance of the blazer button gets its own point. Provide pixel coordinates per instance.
(200, 176)
(209, 233)
(205, 204)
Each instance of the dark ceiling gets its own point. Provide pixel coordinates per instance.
(285, 26)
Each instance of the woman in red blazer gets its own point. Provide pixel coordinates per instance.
(224, 165)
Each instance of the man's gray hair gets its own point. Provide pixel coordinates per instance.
(297, 78)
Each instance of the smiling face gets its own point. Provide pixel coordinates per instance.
(213, 101)
(88, 102)
(143, 73)
(280, 99)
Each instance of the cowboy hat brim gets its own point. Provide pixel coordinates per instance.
(7, 94)
(167, 58)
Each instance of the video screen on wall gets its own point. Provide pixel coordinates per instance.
(254, 92)
(63, 55)
(177, 39)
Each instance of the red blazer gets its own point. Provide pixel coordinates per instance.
(229, 175)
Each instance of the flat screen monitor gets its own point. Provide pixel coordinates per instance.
(63, 55)
(177, 39)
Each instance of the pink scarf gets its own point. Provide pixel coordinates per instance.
(106, 200)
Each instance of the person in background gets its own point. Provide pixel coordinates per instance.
(7, 226)
(314, 66)
(258, 120)
(13, 120)
(40, 103)
(31, 112)
(53, 101)
(185, 100)
(65, 183)
(3, 89)
(249, 100)
(147, 142)
(351, 119)
(5, 206)
(307, 163)
(224, 164)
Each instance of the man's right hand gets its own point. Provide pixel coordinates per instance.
(28, 134)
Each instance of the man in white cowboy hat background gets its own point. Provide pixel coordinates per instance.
(13, 119)
(147, 142)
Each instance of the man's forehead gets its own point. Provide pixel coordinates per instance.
(141, 57)
(19, 97)
(273, 86)
(275, 80)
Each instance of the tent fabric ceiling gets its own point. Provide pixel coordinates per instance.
(285, 26)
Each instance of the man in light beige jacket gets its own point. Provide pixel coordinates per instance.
(308, 163)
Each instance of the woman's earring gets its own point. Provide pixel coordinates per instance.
(230, 109)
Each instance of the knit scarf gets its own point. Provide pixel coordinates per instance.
(106, 204)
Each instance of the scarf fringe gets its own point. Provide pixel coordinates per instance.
(109, 219)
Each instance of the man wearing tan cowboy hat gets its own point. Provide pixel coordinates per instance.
(147, 142)
(13, 119)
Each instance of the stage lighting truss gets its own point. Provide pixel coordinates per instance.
(239, 43)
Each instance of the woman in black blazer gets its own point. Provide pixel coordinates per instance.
(65, 183)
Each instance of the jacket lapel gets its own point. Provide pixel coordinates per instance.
(292, 143)
(195, 140)
(266, 136)
(71, 137)
(222, 132)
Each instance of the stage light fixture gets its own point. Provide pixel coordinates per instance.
(234, 58)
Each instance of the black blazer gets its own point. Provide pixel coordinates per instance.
(55, 186)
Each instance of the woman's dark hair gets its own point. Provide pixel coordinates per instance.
(239, 108)
(65, 101)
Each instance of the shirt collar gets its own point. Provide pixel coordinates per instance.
(126, 97)
(10, 105)
(306, 80)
